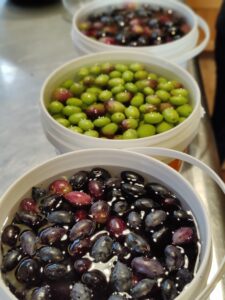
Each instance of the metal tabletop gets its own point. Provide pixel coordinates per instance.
(33, 42)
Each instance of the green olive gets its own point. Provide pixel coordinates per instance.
(64, 122)
(109, 129)
(132, 112)
(92, 133)
(74, 102)
(75, 118)
(130, 134)
(178, 100)
(76, 129)
(163, 126)
(146, 130)
(68, 110)
(101, 122)
(170, 115)
(153, 117)
(163, 95)
(86, 124)
(55, 107)
(117, 117)
(105, 95)
(184, 110)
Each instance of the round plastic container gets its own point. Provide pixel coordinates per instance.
(179, 51)
(115, 161)
(177, 138)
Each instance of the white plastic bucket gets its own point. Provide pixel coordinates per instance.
(116, 160)
(179, 51)
(177, 138)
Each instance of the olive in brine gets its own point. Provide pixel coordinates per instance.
(80, 292)
(10, 260)
(132, 190)
(102, 249)
(82, 229)
(121, 277)
(28, 271)
(41, 293)
(10, 235)
(94, 279)
(100, 174)
(60, 217)
(55, 271)
(52, 235)
(132, 177)
(50, 254)
(79, 180)
(28, 242)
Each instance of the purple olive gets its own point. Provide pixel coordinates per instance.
(134, 219)
(132, 177)
(136, 243)
(102, 249)
(28, 271)
(100, 211)
(113, 183)
(115, 195)
(10, 235)
(80, 292)
(41, 293)
(183, 277)
(96, 188)
(55, 271)
(183, 235)
(120, 207)
(82, 229)
(116, 226)
(132, 190)
(145, 203)
(61, 289)
(79, 180)
(37, 193)
(29, 219)
(79, 247)
(60, 217)
(120, 250)
(50, 254)
(170, 203)
(150, 268)
(169, 291)
(99, 174)
(155, 218)
(174, 258)
(142, 288)
(156, 191)
(52, 235)
(82, 265)
(95, 110)
(161, 237)
(50, 202)
(121, 277)
(94, 279)
(28, 242)
(10, 260)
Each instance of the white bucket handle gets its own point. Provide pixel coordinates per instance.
(198, 49)
(157, 151)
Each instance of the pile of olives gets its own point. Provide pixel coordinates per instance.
(119, 101)
(95, 236)
(135, 25)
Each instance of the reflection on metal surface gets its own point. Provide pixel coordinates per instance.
(7, 72)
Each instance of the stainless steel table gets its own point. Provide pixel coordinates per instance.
(33, 42)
